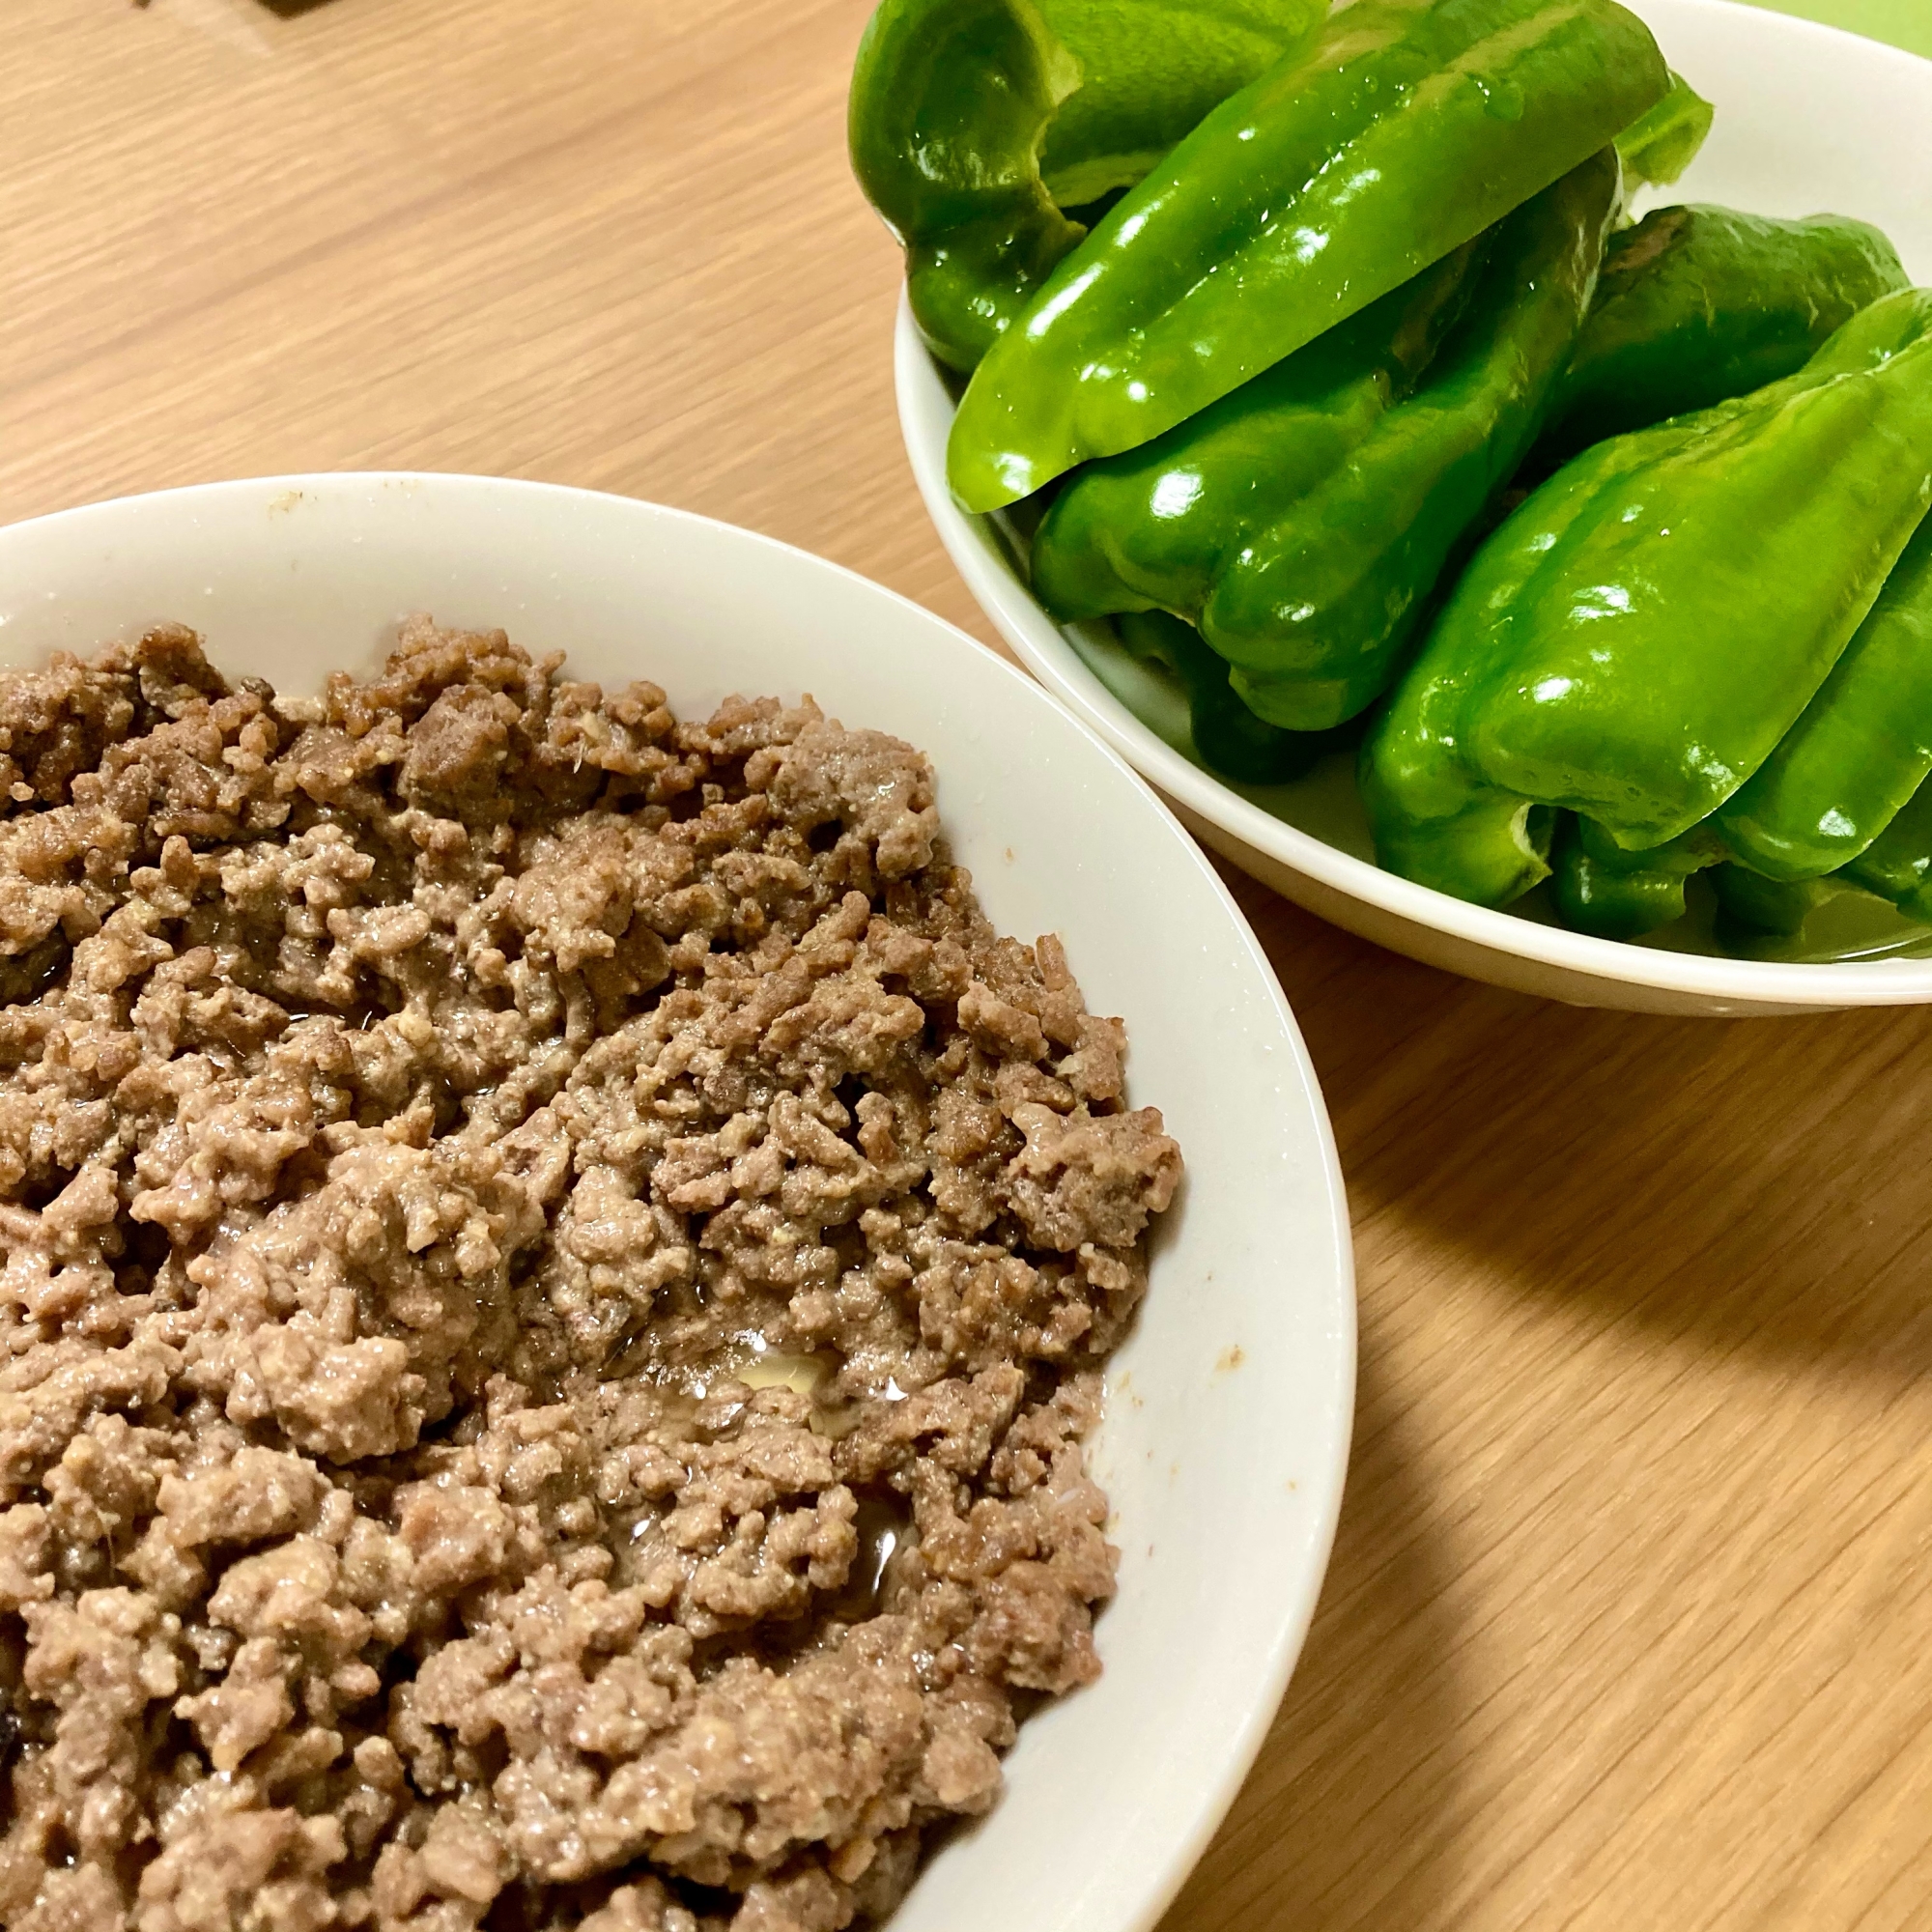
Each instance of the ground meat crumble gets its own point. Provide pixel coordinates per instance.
(556, 1272)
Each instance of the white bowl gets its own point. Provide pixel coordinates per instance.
(1808, 119)
(1228, 1426)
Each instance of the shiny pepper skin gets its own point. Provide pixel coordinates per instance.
(977, 126)
(1406, 129)
(1837, 797)
(1304, 522)
(1637, 638)
(1697, 304)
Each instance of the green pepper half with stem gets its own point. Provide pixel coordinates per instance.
(977, 126)
(1406, 129)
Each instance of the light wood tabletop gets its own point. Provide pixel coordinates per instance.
(1627, 1623)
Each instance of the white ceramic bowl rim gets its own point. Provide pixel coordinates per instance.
(926, 413)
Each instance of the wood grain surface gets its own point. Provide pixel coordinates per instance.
(1628, 1624)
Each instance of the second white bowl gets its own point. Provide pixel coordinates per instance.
(1808, 119)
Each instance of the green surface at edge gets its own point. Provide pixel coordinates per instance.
(1904, 23)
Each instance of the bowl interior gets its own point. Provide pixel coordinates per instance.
(1228, 1424)
(1809, 120)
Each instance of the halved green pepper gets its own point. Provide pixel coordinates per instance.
(1836, 781)
(1638, 638)
(976, 124)
(1150, 70)
(1280, 485)
(1405, 130)
(1862, 747)
(1896, 867)
(1304, 522)
(1156, 527)
(1697, 304)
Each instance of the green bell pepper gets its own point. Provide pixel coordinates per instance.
(1228, 737)
(1319, 613)
(1638, 638)
(1836, 780)
(1898, 865)
(1304, 522)
(1597, 887)
(976, 125)
(1697, 304)
(1156, 527)
(1405, 130)
(1862, 747)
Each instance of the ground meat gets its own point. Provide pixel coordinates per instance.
(555, 1274)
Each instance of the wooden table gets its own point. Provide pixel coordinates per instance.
(1628, 1624)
